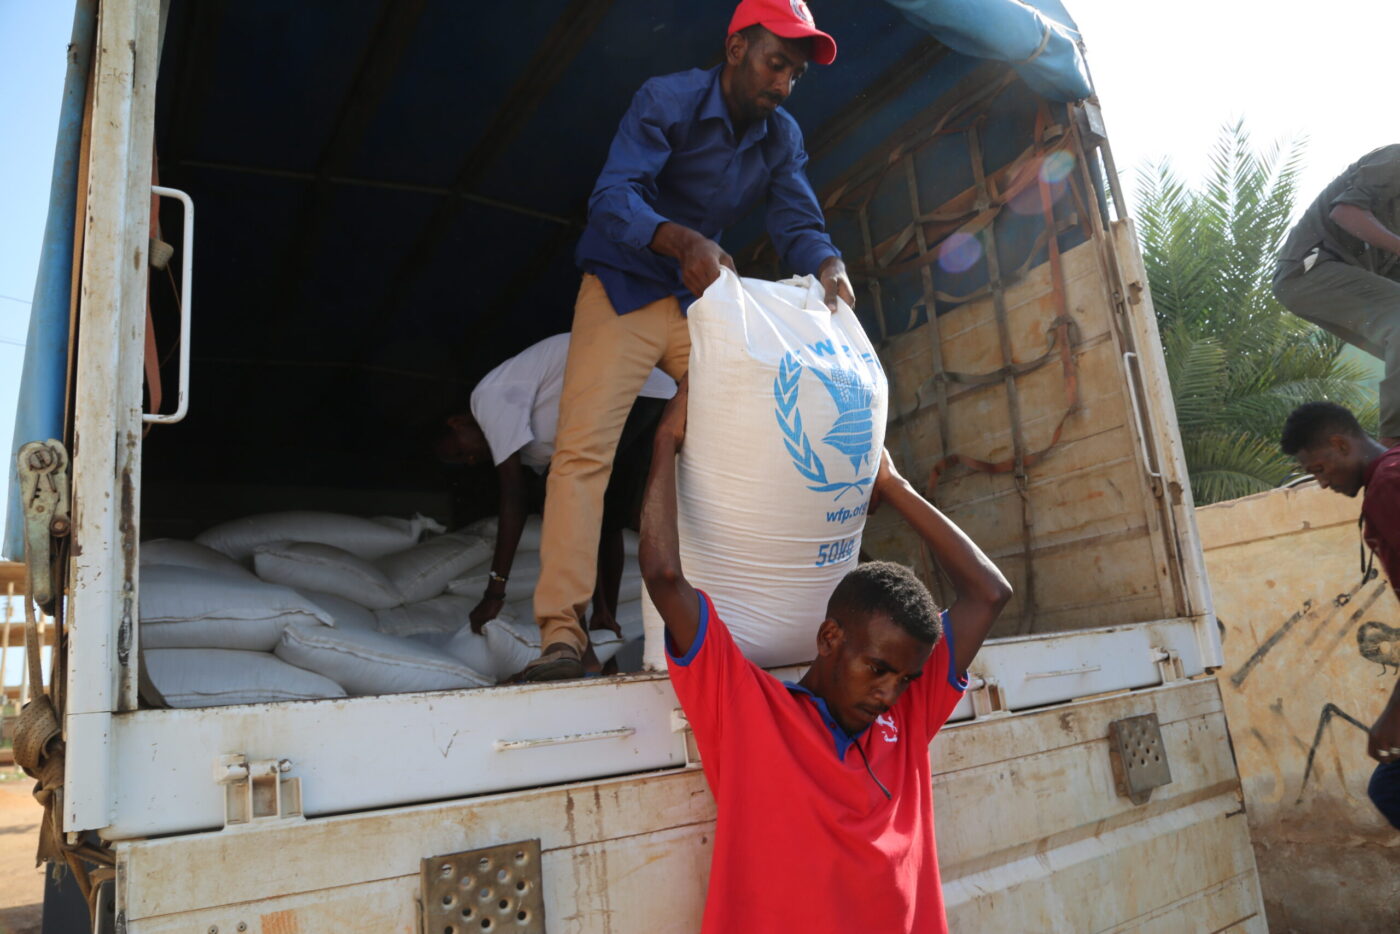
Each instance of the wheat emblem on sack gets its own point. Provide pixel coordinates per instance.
(852, 434)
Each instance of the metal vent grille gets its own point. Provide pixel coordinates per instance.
(493, 890)
(1139, 757)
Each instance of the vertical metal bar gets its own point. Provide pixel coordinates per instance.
(101, 669)
(935, 345)
(875, 295)
(5, 647)
(1013, 397)
(935, 336)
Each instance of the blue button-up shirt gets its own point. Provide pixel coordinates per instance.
(675, 158)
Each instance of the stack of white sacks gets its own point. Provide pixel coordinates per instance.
(307, 605)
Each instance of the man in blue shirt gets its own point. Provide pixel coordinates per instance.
(694, 153)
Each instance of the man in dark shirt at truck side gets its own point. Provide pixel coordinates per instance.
(1340, 268)
(694, 152)
(1329, 443)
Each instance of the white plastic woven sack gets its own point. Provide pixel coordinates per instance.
(344, 614)
(445, 614)
(326, 569)
(367, 538)
(605, 644)
(373, 663)
(174, 552)
(471, 649)
(423, 571)
(629, 619)
(217, 677)
(524, 575)
(529, 535)
(512, 644)
(784, 430)
(414, 527)
(190, 608)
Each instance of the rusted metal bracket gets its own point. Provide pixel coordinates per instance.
(44, 494)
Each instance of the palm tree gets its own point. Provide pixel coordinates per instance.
(1238, 361)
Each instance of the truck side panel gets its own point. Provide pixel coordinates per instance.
(1032, 837)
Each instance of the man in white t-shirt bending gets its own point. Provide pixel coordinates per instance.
(514, 414)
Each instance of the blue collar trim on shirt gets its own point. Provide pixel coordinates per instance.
(840, 737)
(713, 108)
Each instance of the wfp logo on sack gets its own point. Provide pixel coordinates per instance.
(851, 433)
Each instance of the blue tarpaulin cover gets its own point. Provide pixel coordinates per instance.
(1038, 37)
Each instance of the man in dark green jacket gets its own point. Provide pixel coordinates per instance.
(1340, 268)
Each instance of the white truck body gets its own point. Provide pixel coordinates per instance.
(1034, 832)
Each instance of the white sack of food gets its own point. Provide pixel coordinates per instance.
(217, 677)
(630, 587)
(471, 649)
(373, 663)
(524, 575)
(513, 644)
(444, 614)
(239, 538)
(423, 571)
(190, 608)
(529, 535)
(175, 552)
(413, 527)
(784, 431)
(326, 569)
(629, 619)
(605, 644)
(344, 614)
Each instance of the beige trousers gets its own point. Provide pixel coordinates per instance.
(610, 357)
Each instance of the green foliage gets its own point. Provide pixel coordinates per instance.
(1237, 360)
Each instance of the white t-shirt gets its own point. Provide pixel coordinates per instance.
(517, 403)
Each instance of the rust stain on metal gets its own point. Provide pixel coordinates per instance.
(280, 922)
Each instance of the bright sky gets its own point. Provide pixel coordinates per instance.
(1169, 75)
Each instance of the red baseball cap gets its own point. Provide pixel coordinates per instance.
(787, 18)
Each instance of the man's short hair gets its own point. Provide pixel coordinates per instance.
(1312, 423)
(891, 589)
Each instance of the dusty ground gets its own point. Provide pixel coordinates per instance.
(21, 885)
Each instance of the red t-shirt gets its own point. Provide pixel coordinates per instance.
(1381, 511)
(805, 839)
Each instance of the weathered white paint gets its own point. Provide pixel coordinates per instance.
(383, 751)
(1019, 852)
(107, 405)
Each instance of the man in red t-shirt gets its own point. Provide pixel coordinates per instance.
(823, 787)
(1329, 443)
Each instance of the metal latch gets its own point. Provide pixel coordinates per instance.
(988, 700)
(1139, 757)
(492, 889)
(257, 791)
(43, 484)
(680, 724)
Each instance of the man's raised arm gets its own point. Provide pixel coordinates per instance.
(982, 591)
(660, 553)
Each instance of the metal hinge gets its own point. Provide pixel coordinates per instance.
(44, 494)
(257, 791)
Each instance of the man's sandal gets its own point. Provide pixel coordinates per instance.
(559, 662)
